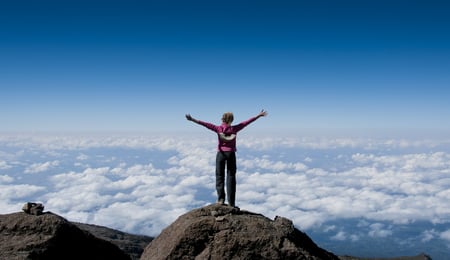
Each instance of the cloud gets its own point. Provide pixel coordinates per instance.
(429, 235)
(6, 179)
(277, 166)
(406, 162)
(143, 183)
(344, 236)
(41, 167)
(445, 235)
(82, 157)
(135, 198)
(329, 142)
(4, 165)
(341, 236)
(18, 191)
(378, 230)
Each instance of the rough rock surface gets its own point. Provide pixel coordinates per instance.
(49, 236)
(222, 232)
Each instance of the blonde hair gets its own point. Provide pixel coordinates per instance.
(227, 117)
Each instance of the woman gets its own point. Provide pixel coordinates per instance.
(226, 152)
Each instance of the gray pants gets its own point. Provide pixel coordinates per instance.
(228, 159)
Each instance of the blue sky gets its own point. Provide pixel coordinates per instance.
(141, 65)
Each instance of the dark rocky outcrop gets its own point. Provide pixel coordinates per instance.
(49, 236)
(133, 245)
(222, 232)
(417, 257)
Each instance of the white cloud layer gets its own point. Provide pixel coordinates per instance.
(141, 184)
(41, 167)
(445, 235)
(4, 165)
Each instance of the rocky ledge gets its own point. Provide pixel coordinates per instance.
(49, 236)
(222, 232)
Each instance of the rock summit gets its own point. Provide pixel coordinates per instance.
(223, 232)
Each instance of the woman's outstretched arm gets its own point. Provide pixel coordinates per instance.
(205, 124)
(241, 125)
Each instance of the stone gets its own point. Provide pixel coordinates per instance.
(223, 232)
(49, 236)
(33, 208)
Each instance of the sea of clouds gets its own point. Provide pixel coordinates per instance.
(346, 192)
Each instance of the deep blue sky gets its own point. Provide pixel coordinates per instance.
(141, 65)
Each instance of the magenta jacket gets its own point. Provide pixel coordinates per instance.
(226, 135)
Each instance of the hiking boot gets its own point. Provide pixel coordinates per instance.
(221, 202)
(235, 208)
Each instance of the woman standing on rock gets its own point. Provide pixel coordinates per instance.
(226, 152)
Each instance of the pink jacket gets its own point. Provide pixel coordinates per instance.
(226, 135)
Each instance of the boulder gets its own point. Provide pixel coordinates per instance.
(33, 208)
(49, 236)
(223, 232)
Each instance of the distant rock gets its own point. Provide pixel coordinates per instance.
(49, 236)
(222, 232)
(133, 245)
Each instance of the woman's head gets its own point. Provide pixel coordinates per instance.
(227, 118)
